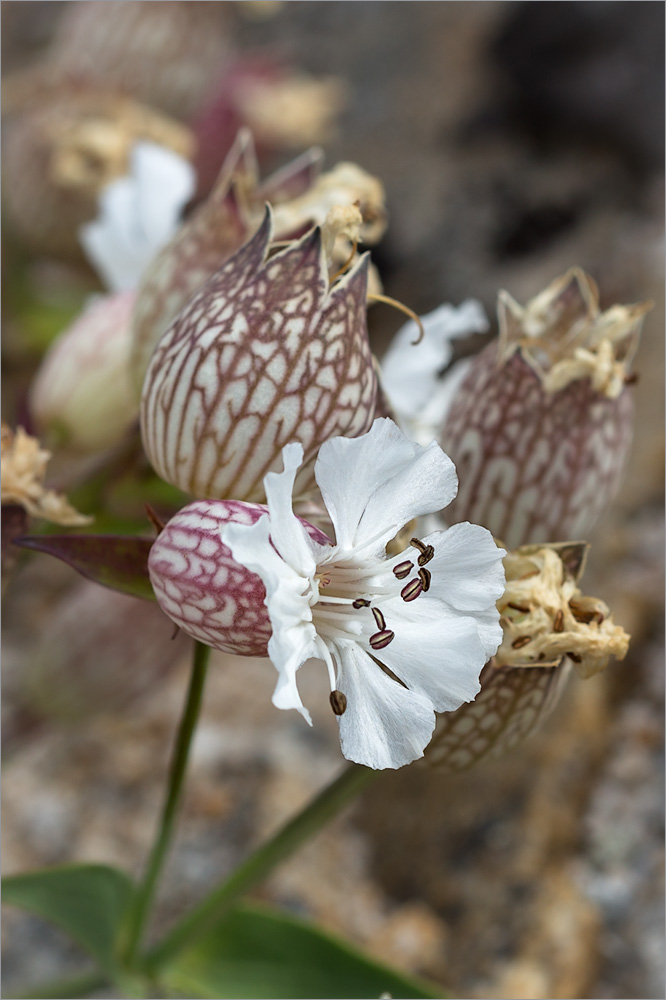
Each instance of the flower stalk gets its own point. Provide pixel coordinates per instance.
(146, 891)
(261, 862)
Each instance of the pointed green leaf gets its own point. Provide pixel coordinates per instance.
(116, 561)
(255, 952)
(88, 902)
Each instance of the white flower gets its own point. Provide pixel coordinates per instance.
(138, 215)
(403, 636)
(411, 378)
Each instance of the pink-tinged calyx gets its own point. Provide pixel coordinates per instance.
(264, 354)
(201, 588)
(541, 425)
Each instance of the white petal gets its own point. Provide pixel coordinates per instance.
(436, 652)
(294, 638)
(287, 533)
(165, 182)
(384, 726)
(374, 484)
(467, 570)
(409, 370)
(138, 215)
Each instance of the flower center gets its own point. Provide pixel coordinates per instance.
(347, 602)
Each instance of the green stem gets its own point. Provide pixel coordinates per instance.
(287, 840)
(146, 890)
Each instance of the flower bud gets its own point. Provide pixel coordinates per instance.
(549, 628)
(541, 425)
(83, 392)
(201, 588)
(264, 354)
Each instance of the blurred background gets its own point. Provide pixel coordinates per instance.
(514, 141)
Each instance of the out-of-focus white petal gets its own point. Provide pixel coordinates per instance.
(410, 371)
(165, 182)
(375, 484)
(138, 215)
(385, 725)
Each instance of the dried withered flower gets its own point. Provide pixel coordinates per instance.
(23, 473)
(549, 627)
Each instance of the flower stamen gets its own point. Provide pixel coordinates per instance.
(403, 569)
(379, 618)
(412, 590)
(427, 551)
(338, 702)
(381, 639)
(425, 576)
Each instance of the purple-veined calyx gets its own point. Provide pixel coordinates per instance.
(267, 352)
(300, 196)
(541, 424)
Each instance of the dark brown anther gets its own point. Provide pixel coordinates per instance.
(521, 641)
(558, 622)
(425, 577)
(427, 554)
(575, 657)
(631, 379)
(427, 551)
(412, 590)
(338, 702)
(379, 618)
(403, 569)
(522, 608)
(583, 616)
(361, 602)
(155, 519)
(381, 639)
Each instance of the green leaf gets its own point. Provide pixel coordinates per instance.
(88, 902)
(116, 561)
(255, 952)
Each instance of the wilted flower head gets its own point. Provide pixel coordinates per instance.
(402, 636)
(23, 473)
(545, 616)
(232, 213)
(549, 627)
(541, 425)
(264, 354)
